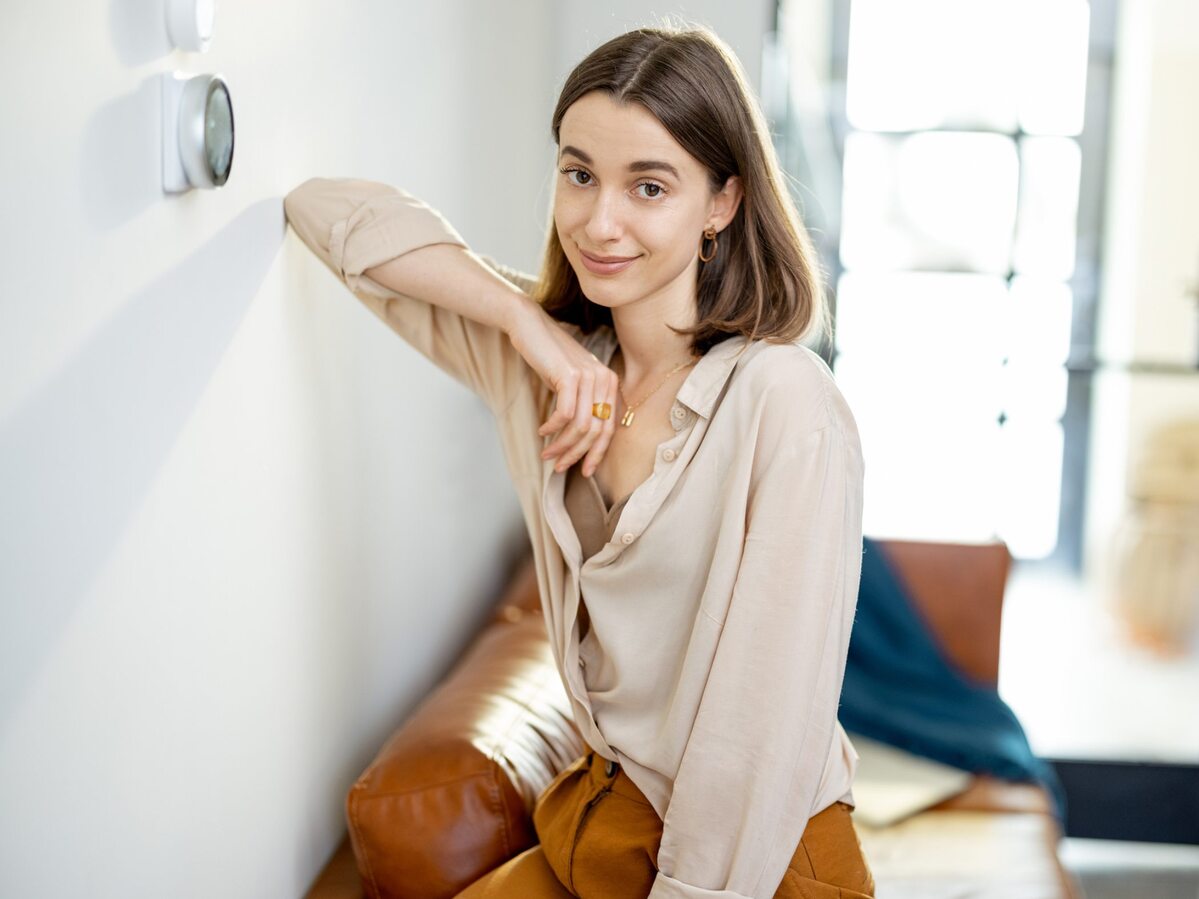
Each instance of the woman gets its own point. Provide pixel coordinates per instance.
(689, 472)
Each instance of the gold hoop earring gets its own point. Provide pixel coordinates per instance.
(709, 234)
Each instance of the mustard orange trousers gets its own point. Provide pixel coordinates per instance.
(599, 839)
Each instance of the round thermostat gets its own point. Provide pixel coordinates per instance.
(198, 132)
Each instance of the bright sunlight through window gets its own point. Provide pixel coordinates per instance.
(960, 200)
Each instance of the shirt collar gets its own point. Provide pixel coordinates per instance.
(705, 381)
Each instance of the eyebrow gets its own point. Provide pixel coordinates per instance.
(641, 165)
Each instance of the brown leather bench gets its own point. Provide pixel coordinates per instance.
(449, 795)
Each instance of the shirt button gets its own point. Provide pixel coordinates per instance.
(668, 454)
(626, 538)
(677, 412)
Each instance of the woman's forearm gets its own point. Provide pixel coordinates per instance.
(455, 278)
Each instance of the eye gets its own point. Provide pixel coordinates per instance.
(568, 170)
(656, 190)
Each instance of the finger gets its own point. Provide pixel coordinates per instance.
(600, 446)
(566, 427)
(577, 435)
(566, 391)
(583, 443)
(569, 433)
(564, 405)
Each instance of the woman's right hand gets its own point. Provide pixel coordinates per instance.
(578, 380)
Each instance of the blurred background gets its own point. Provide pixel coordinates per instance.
(234, 505)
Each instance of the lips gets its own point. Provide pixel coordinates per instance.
(596, 258)
(607, 265)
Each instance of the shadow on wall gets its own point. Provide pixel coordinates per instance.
(83, 450)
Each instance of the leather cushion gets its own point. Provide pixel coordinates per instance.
(450, 794)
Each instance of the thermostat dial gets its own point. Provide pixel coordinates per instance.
(197, 131)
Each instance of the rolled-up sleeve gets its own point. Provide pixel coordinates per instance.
(750, 771)
(352, 224)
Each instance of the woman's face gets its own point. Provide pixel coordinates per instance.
(627, 189)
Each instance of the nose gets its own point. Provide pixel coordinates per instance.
(603, 224)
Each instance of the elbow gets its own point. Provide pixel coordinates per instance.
(294, 199)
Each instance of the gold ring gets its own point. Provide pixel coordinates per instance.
(601, 410)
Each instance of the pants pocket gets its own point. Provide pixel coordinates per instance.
(828, 862)
(550, 802)
(798, 886)
(616, 854)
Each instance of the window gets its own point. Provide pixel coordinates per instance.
(939, 150)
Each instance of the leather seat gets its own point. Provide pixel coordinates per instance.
(449, 795)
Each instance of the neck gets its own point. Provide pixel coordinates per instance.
(647, 347)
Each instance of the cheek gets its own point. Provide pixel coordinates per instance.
(669, 229)
(668, 240)
(568, 216)
(564, 238)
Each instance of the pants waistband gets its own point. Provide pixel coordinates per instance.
(606, 773)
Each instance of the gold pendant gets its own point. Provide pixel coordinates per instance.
(628, 418)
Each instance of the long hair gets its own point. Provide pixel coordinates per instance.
(765, 281)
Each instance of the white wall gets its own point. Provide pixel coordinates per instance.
(244, 526)
(582, 26)
(1151, 257)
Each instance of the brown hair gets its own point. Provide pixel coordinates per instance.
(765, 280)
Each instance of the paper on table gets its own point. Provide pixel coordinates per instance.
(892, 784)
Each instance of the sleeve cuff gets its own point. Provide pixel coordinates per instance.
(384, 226)
(668, 888)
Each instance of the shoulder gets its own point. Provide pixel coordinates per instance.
(788, 363)
(791, 405)
(794, 388)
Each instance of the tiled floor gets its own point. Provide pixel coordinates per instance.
(1083, 691)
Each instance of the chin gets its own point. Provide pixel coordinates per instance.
(600, 297)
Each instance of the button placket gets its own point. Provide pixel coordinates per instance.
(666, 455)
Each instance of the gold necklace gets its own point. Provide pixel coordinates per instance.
(627, 418)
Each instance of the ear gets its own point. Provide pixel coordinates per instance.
(724, 204)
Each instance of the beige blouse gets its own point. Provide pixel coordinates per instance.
(720, 593)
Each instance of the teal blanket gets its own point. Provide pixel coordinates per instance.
(901, 689)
